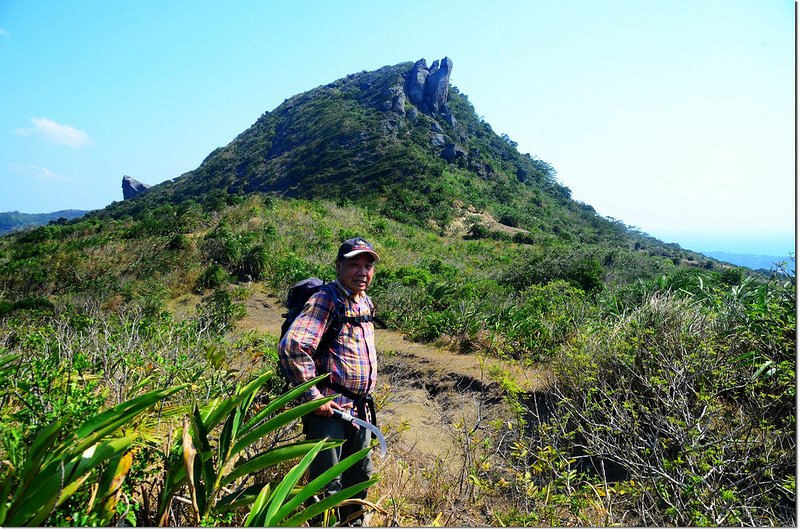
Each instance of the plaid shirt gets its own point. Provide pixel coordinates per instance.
(350, 360)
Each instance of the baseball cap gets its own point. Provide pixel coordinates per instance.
(354, 247)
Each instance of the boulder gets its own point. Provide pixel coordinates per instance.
(132, 187)
(437, 85)
(438, 140)
(452, 152)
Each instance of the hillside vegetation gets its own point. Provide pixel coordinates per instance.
(672, 393)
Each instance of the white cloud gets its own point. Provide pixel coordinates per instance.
(44, 173)
(38, 172)
(56, 133)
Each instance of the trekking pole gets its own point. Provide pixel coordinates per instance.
(376, 431)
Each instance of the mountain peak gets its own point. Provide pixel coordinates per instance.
(399, 138)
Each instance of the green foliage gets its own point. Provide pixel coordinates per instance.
(641, 335)
(577, 267)
(218, 311)
(667, 396)
(207, 471)
(213, 277)
(59, 462)
(546, 318)
(242, 430)
(275, 507)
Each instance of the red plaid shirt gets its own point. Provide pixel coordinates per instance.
(350, 359)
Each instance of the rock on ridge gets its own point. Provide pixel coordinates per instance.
(132, 187)
(427, 87)
(415, 84)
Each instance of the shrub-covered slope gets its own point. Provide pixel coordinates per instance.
(344, 141)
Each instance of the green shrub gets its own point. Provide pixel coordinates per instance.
(581, 269)
(655, 395)
(218, 311)
(213, 277)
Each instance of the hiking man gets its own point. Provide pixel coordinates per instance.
(349, 358)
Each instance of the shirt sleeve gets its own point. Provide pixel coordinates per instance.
(296, 349)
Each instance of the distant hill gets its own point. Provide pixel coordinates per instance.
(10, 221)
(751, 261)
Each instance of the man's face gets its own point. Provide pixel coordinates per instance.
(355, 273)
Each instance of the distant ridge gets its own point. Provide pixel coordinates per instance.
(11, 221)
(751, 261)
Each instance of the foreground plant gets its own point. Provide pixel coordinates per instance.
(230, 475)
(57, 465)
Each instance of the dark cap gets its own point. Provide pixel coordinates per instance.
(354, 247)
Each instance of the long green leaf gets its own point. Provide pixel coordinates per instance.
(319, 482)
(90, 459)
(41, 450)
(204, 482)
(326, 504)
(140, 385)
(33, 513)
(263, 510)
(237, 499)
(280, 401)
(289, 480)
(6, 360)
(274, 456)
(5, 489)
(761, 369)
(212, 416)
(112, 419)
(256, 516)
(50, 485)
(229, 432)
(278, 421)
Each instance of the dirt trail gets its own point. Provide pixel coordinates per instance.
(426, 395)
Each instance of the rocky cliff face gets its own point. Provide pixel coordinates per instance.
(132, 187)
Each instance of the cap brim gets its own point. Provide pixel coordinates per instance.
(355, 253)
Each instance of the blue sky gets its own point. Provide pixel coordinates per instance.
(674, 117)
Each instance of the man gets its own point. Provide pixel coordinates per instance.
(349, 358)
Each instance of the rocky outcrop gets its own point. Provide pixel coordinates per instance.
(452, 152)
(415, 83)
(132, 187)
(427, 87)
(396, 99)
(437, 85)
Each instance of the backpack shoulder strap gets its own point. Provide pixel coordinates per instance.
(374, 319)
(336, 319)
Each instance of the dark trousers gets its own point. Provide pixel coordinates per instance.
(318, 427)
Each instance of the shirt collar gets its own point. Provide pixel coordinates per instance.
(349, 293)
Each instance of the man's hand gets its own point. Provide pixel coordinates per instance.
(327, 409)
